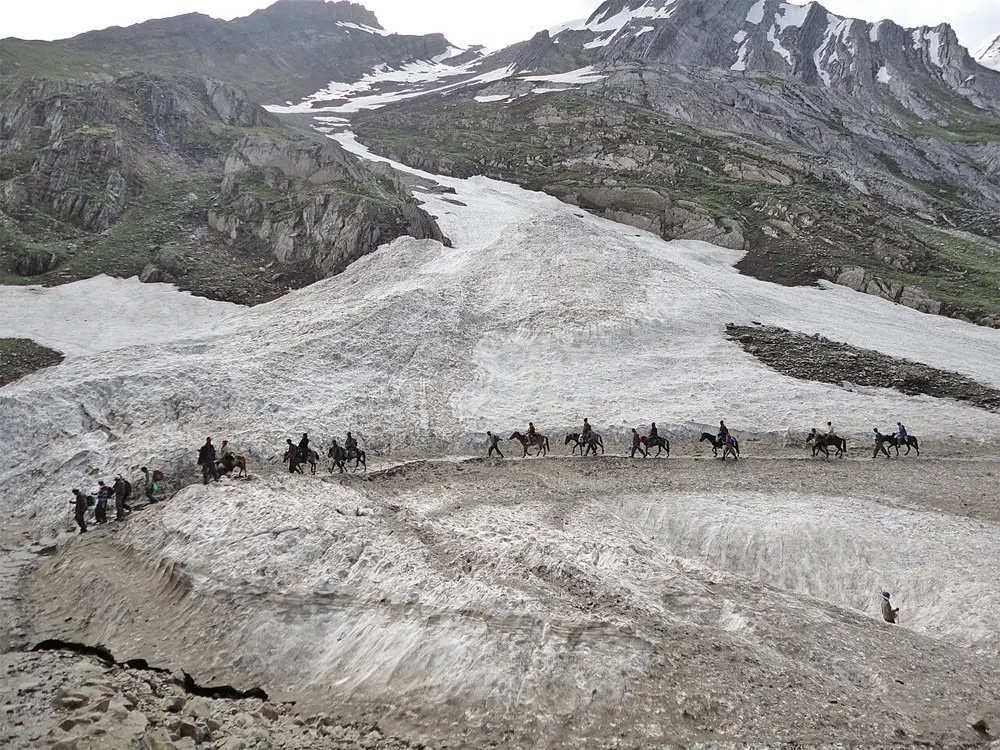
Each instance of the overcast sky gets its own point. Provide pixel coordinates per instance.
(494, 23)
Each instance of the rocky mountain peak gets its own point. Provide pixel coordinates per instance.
(317, 12)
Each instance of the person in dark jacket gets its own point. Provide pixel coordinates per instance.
(304, 448)
(351, 446)
(123, 491)
(493, 440)
(637, 444)
(889, 614)
(80, 505)
(206, 460)
(880, 443)
(723, 435)
(653, 433)
(587, 429)
(101, 508)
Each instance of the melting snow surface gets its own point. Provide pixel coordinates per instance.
(756, 13)
(589, 74)
(883, 75)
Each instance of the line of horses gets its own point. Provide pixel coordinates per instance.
(821, 443)
(338, 455)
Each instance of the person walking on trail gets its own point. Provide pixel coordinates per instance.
(889, 614)
(206, 460)
(292, 455)
(101, 509)
(493, 440)
(637, 444)
(880, 440)
(80, 505)
(123, 491)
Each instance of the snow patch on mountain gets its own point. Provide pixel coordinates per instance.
(366, 29)
(589, 74)
(102, 314)
(756, 14)
(989, 56)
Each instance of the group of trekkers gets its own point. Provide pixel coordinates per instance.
(121, 490)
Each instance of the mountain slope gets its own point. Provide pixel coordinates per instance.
(285, 51)
(989, 56)
(448, 598)
(181, 179)
(860, 153)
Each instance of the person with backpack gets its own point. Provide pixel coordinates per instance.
(206, 460)
(151, 482)
(123, 491)
(101, 509)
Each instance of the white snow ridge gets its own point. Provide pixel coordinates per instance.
(460, 600)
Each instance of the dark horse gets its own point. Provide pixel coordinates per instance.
(538, 440)
(593, 441)
(823, 442)
(717, 444)
(911, 442)
(661, 443)
(340, 456)
(295, 461)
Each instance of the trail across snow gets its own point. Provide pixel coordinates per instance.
(476, 595)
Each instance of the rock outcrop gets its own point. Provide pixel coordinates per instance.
(124, 178)
(290, 195)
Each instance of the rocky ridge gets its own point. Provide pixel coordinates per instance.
(818, 359)
(60, 700)
(285, 51)
(139, 177)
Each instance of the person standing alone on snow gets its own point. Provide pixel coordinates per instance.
(888, 613)
(206, 460)
(493, 440)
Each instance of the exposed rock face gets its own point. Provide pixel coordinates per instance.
(290, 195)
(807, 43)
(124, 178)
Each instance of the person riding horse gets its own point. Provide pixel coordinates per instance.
(531, 431)
(723, 435)
(652, 432)
(303, 447)
(901, 433)
(351, 446)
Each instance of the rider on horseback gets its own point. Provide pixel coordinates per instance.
(587, 429)
(351, 446)
(901, 433)
(829, 428)
(723, 435)
(652, 432)
(531, 432)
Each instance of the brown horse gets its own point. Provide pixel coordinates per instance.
(230, 461)
(537, 440)
(295, 462)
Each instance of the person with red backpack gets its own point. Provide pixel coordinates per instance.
(151, 482)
